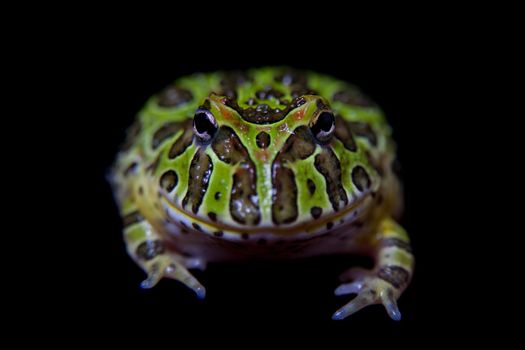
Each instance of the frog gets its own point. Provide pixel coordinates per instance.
(267, 163)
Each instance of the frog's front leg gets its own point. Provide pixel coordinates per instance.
(387, 281)
(156, 257)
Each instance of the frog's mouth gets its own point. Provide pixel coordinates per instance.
(185, 219)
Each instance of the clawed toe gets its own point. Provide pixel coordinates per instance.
(355, 305)
(155, 274)
(390, 303)
(370, 290)
(349, 288)
(164, 267)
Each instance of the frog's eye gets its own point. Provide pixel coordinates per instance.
(204, 125)
(324, 126)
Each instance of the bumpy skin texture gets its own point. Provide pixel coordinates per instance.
(270, 163)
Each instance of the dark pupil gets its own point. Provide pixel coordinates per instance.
(203, 125)
(325, 121)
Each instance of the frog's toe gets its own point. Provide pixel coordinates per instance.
(370, 290)
(349, 288)
(165, 267)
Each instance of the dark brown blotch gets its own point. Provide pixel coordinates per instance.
(284, 204)
(200, 171)
(263, 108)
(262, 139)
(132, 218)
(395, 275)
(168, 181)
(174, 96)
(297, 102)
(231, 81)
(360, 178)
(263, 114)
(329, 225)
(212, 216)
(322, 105)
(131, 169)
(365, 130)
(344, 134)
(218, 233)
(316, 212)
(328, 165)
(153, 166)
(300, 145)
(196, 226)
(396, 242)
(149, 249)
(244, 207)
(228, 147)
(183, 141)
(164, 132)
(311, 186)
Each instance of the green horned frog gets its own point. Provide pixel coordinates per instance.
(270, 163)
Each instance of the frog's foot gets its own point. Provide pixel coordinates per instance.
(174, 267)
(371, 288)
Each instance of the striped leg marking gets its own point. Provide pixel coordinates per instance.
(387, 281)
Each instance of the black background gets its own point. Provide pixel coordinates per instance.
(409, 81)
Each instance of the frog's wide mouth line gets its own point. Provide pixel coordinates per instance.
(290, 229)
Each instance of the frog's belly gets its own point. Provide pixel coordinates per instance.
(267, 246)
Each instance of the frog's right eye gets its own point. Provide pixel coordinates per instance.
(204, 125)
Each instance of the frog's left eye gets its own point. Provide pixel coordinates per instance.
(204, 125)
(324, 126)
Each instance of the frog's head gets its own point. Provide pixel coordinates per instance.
(275, 158)
(275, 155)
